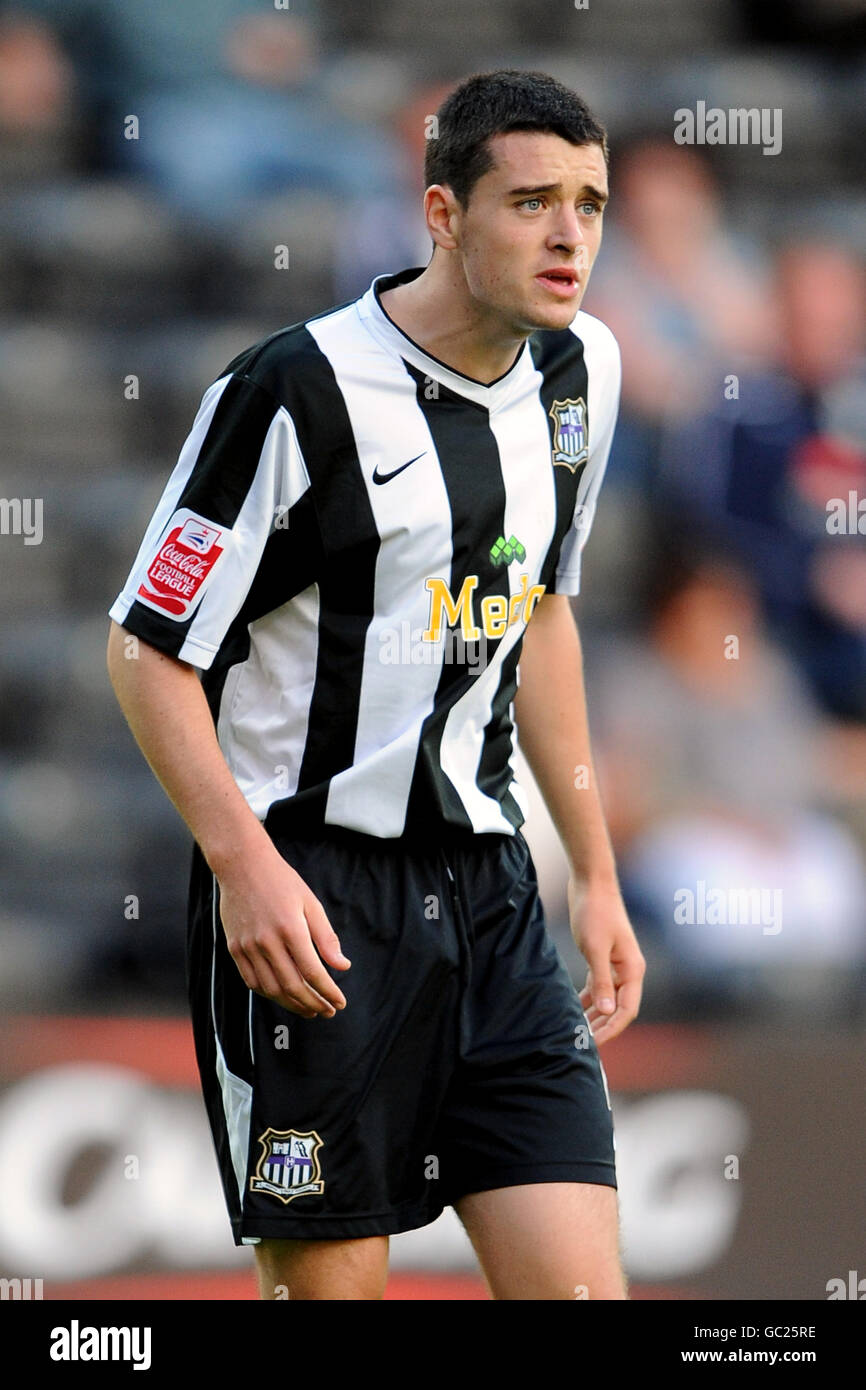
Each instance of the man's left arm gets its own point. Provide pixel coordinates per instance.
(553, 731)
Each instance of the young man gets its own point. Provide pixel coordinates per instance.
(376, 515)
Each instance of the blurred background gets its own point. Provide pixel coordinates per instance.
(154, 158)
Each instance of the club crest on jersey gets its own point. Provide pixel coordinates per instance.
(289, 1166)
(184, 559)
(570, 443)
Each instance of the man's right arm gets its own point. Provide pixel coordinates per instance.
(275, 927)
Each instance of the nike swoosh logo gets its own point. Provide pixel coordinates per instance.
(386, 477)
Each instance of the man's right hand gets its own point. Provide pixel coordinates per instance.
(277, 931)
(278, 936)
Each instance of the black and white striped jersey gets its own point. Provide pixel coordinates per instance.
(349, 548)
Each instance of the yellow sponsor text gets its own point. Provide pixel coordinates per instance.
(492, 617)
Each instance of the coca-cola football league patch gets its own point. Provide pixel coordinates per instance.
(184, 561)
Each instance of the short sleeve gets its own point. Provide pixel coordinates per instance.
(238, 476)
(604, 372)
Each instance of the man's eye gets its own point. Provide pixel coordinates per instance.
(526, 201)
(590, 208)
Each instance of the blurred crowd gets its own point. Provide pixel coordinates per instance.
(155, 156)
(729, 694)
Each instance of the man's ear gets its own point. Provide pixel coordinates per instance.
(440, 210)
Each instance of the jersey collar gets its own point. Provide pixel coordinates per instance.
(387, 332)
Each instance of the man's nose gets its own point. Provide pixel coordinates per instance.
(568, 231)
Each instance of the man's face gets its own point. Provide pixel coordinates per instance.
(539, 209)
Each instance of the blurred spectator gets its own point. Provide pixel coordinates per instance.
(228, 97)
(712, 758)
(36, 80)
(684, 296)
(392, 228)
(762, 468)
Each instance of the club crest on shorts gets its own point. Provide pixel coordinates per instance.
(289, 1166)
(570, 443)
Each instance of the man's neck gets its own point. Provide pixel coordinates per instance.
(436, 312)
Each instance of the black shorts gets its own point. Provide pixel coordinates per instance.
(461, 1063)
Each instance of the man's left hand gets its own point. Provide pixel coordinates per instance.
(614, 982)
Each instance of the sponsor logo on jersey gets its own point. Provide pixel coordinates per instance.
(503, 551)
(289, 1166)
(184, 559)
(495, 615)
(570, 440)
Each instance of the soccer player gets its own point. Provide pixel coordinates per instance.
(367, 549)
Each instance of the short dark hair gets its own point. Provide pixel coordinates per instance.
(491, 103)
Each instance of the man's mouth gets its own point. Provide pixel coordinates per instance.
(560, 280)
